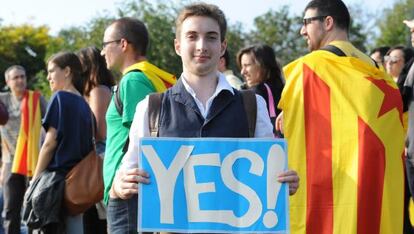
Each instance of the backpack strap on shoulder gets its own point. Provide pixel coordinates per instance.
(117, 99)
(339, 52)
(334, 49)
(250, 106)
(154, 106)
(154, 109)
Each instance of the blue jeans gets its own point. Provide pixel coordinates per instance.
(74, 224)
(122, 215)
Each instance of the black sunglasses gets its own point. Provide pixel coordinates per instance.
(307, 21)
(105, 43)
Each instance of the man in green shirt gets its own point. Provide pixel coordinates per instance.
(125, 44)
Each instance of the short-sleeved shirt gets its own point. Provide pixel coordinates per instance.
(134, 87)
(10, 131)
(71, 116)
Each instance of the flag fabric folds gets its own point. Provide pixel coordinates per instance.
(161, 79)
(27, 147)
(343, 124)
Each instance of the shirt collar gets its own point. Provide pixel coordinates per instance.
(222, 84)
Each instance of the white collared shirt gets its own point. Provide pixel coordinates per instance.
(140, 128)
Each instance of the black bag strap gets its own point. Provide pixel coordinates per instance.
(340, 53)
(93, 129)
(117, 99)
(154, 109)
(250, 106)
(335, 50)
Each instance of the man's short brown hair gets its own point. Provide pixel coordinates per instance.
(202, 9)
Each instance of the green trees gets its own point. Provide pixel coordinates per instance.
(25, 45)
(392, 30)
(280, 30)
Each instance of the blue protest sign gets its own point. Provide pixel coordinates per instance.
(213, 185)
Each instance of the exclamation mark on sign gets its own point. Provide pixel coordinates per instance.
(273, 187)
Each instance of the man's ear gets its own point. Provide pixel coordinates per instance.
(177, 46)
(223, 47)
(221, 64)
(329, 23)
(124, 44)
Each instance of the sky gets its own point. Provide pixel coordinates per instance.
(59, 14)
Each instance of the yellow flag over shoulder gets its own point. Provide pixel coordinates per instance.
(27, 147)
(343, 124)
(159, 78)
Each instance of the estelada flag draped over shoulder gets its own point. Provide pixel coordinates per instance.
(27, 147)
(161, 79)
(343, 124)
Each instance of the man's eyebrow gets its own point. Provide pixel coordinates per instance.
(190, 32)
(213, 32)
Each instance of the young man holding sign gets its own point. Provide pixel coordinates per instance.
(202, 103)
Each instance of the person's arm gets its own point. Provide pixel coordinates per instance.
(125, 183)
(279, 122)
(46, 152)
(2, 173)
(99, 99)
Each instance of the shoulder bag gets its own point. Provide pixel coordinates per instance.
(84, 182)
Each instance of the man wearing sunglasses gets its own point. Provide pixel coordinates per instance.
(323, 26)
(342, 122)
(124, 47)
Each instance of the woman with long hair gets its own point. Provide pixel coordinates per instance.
(97, 93)
(263, 74)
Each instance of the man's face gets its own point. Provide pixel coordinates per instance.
(313, 30)
(16, 81)
(111, 49)
(199, 45)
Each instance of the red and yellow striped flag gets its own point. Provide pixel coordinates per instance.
(27, 147)
(343, 124)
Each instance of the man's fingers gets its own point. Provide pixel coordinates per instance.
(129, 186)
(138, 172)
(127, 193)
(131, 178)
(289, 179)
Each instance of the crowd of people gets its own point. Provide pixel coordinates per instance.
(345, 116)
